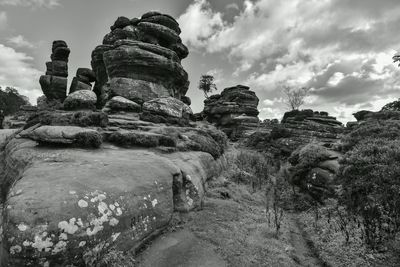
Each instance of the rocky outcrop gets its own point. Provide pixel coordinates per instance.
(234, 111)
(113, 176)
(54, 83)
(296, 129)
(140, 59)
(314, 169)
(83, 80)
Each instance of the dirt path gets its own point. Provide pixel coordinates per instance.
(304, 252)
(231, 232)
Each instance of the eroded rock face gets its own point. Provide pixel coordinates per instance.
(54, 83)
(82, 99)
(93, 200)
(234, 110)
(83, 80)
(142, 54)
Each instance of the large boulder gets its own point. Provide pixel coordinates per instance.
(54, 87)
(63, 135)
(137, 90)
(168, 107)
(83, 99)
(93, 200)
(119, 103)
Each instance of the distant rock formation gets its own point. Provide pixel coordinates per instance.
(54, 83)
(140, 60)
(296, 129)
(234, 111)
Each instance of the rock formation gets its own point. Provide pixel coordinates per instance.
(234, 111)
(296, 129)
(54, 83)
(77, 181)
(140, 59)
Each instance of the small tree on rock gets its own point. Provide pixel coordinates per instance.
(396, 58)
(207, 84)
(295, 97)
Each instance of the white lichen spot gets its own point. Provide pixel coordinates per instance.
(59, 247)
(112, 207)
(68, 227)
(115, 236)
(101, 197)
(9, 207)
(145, 198)
(118, 212)
(18, 192)
(188, 177)
(27, 243)
(102, 207)
(22, 227)
(82, 203)
(42, 244)
(154, 202)
(72, 192)
(82, 243)
(154, 218)
(46, 264)
(63, 236)
(116, 204)
(156, 182)
(79, 222)
(113, 222)
(189, 201)
(15, 249)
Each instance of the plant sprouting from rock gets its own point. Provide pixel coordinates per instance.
(295, 97)
(207, 84)
(396, 58)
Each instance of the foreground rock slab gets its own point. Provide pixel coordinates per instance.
(92, 200)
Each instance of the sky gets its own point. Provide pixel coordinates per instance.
(341, 49)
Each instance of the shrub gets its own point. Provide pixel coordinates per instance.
(279, 132)
(393, 106)
(88, 139)
(370, 180)
(387, 129)
(253, 168)
(140, 139)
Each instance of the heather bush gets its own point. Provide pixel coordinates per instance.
(370, 185)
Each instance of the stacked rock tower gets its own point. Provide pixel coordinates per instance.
(140, 60)
(54, 83)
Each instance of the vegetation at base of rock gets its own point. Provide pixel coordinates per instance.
(140, 139)
(60, 118)
(11, 100)
(88, 140)
(385, 129)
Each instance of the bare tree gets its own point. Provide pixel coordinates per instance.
(207, 84)
(295, 97)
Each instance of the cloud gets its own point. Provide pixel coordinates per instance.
(20, 41)
(233, 6)
(3, 20)
(31, 3)
(16, 71)
(342, 49)
(199, 23)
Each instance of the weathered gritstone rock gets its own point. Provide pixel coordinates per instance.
(54, 83)
(83, 99)
(167, 106)
(141, 59)
(61, 135)
(83, 80)
(119, 103)
(234, 110)
(314, 169)
(94, 200)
